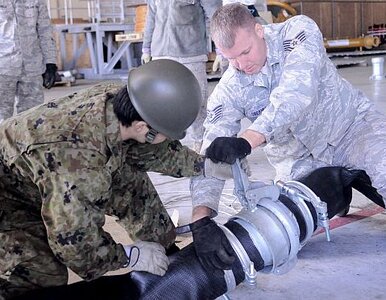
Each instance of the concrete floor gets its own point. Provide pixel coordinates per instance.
(351, 266)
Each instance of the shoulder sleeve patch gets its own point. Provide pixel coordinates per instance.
(289, 45)
(215, 114)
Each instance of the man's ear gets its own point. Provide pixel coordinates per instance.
(259, 30)
(140, 126)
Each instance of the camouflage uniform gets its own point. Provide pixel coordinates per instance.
(26, 47)
(176, 29)
(63, 168)
(309, 115)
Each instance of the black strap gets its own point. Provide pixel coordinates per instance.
(150, 135)
(183, 229)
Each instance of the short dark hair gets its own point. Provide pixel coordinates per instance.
(124, 109)
(227, 20)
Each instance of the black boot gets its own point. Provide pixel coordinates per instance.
(333, 185)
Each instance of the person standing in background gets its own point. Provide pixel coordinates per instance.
(27, 55)
(177, 30)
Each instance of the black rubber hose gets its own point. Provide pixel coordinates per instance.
(184, 280)
(298, 215)
(187, 280)
(107, 287)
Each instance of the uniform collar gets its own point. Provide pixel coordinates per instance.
(272, 40)
(263, 77)
(113, 133)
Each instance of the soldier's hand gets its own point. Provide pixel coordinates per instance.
(145, 58)
(211, 245)
(147, 256)
(228, 149)
(49, 75)
(217, 63)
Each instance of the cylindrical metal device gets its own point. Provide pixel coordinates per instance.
(266, 235)
(378, 68)
(367, 41)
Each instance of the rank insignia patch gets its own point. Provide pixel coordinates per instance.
(215, 114)
(289, 45)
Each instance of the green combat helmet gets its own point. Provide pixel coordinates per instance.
(166, 95)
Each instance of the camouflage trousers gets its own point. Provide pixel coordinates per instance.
(362, 148)
(19, 94)
(26, 260)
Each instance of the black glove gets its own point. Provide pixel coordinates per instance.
(211, 245)
(49, 75)
(228, 149)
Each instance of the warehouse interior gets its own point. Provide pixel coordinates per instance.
(101, 40)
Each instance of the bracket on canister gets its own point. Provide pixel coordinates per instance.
(296, 189)
(272, 227)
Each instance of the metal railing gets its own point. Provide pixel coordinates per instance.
(93, 11)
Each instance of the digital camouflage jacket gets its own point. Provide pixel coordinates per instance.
(64, 161)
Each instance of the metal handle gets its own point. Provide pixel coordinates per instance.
(241, 183)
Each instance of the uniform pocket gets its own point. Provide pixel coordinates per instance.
(5, 12)
(3, 9)
(31, 11)
(7, 32)
(185, 12)
(28, 11)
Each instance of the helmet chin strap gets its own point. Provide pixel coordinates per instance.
(150, 135)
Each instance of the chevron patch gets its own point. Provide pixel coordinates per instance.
(215, 114)
(289, 45)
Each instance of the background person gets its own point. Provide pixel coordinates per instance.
(177, 30)
(27, 55)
